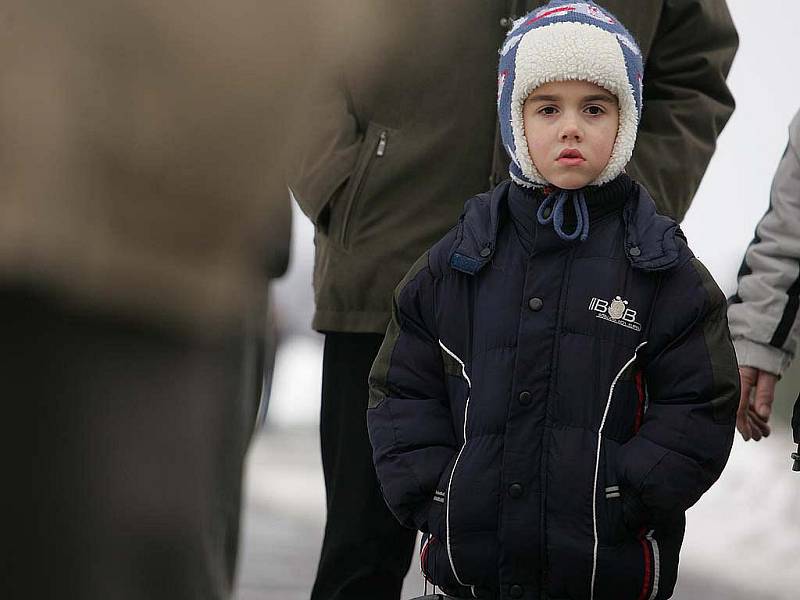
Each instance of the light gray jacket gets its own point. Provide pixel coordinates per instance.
(763, 314)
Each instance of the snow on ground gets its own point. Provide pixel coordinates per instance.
(747, 527)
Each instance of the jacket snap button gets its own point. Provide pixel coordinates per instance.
(634, 251)
(486, 251)
(506, 23)
(515, 591)
(535, 304)
(525, 398)
(515, 490)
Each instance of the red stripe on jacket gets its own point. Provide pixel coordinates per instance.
(648, 566)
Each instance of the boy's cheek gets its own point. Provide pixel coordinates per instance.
(537, 153)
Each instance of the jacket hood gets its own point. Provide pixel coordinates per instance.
(651, 242)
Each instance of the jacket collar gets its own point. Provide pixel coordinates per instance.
(524, 204)
(650, 238)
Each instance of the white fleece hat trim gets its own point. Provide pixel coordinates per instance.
(566, 52)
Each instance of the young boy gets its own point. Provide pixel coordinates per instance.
(557, 384)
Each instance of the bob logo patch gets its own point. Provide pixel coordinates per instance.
(615, 311)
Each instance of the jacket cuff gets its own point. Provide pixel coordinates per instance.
(421, 518)
(428, 519)
(761, 356)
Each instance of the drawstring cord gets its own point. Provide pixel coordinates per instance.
(555, 202)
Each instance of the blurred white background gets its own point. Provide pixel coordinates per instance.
(743, 537)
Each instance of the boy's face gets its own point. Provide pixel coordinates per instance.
(571, 127)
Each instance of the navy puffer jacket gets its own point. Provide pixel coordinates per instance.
(547, 410)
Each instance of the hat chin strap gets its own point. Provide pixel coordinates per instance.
(555, 201)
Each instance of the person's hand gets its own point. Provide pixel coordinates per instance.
(755, 403)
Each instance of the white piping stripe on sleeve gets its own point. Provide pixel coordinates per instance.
(458, 360)
(656, 564)
(455, 464)
(597, 463)
(466, 378)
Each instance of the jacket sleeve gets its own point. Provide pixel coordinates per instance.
(408, 418)
(692, 387)
(686, 100)
(764, 312)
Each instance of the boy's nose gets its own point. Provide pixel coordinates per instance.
(570, 131)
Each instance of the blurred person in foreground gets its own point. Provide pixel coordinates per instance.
(400, 131)
(142, 213)
(763, 314)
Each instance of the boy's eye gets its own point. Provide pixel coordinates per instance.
(594, 110)
(548, 110)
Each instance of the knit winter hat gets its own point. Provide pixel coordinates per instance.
(565, 41)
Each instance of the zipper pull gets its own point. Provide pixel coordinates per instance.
(381, 145)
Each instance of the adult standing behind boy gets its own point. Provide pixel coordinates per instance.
(399, 136)
(764, 311)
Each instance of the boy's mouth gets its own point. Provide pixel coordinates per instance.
(570, 157)
(570, 153)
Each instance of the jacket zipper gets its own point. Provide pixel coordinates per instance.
(554, 362)
(597, 461)
(380, 151)
(455, 464)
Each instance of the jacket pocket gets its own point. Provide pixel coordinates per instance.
(625, 572)
(628, 565)
(438, 509)
(434, 555)
(611, 528)
(345, 208)
(436, 569)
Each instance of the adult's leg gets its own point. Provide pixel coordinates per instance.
(129, 450)
(366, 552)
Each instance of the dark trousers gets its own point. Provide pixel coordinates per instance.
(366, 553)
(122, 457)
